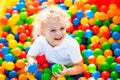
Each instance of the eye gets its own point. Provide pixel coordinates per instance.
(53, 30)
(62, 28)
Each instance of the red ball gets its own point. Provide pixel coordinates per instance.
(9, 10)
(92, 59)
(45, 65)
(118, 59)
(4, 20)
(105, 74)
(36, 3)
(94, 45)
(31, 9)
(82, 47)
(23, 37)
(87, 74)
(4, 34)
(41, 59)
(95, 29)
(21, 29)
(103, 8)
(1, 45)
(23, 55)
(106, 33)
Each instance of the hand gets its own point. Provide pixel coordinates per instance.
(61, 72)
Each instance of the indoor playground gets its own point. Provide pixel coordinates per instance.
(95, 26)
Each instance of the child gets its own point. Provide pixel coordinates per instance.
(51, 39)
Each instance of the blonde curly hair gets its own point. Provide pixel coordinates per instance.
(51, 12)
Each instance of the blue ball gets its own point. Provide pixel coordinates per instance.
(88, 53)
(110, 79)
(79, 14)
(89, 13)
(8, 15)
(5, 50)
(76, 22)
(63, 6)
(38, 75)
(27, 49)
(88, 33)
(115, 45)
(13, 74)
(32, 68)
(96, 74)
(117, 52)
(9, 57)
(117, 68)
(116, 35)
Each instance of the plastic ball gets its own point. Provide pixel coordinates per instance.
(84, 20)
(114, 75)
(9, 66)
(105, 75)
(41, 59)
(100, 59)
(108, 52)
(61, 78)
(76, 22)
(110, 59)
(6, 28)
(96, 74)
(95, 29)
(94, 8)
(106, 33)
(117, 68)
(116, 35)
(89, 13)
(20, 64)
(32, 68)
(103, 16)
(104, 66)
(68, 3)
(91, 21)
(111, 40)
(63, 6)
(92, 68)
(118, 59)
(112, 66)
(22, 77)
(103, 8)
(88, 33)
(116, 19)
(117, 52)
(82, 78)
(38, 74)
(21, 29)
(12, 43)
(115, 28)
(106, 45)
(78, 39)
(1, 60)
(69, 13)
(45, 76)
(79, 33)
(17, 51)
(56, 67)
(98, 52)
(98, 22)
(92, 59)
(91, 78)
(95, 39)
(115, 45)
(9, 57)
(13, 74)
(5, 50)
(87, 74)
(2, 76)
(88, 53)
(23, 36)
(26, 44)
(73, 9)
(79, 14)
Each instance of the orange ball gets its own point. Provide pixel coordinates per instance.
(108, 52)
(13, 79)
(103, 16)
(20, 63)
(17, 51)
(92, 59)
(116, 19)
(113, 6)
(110, 13)
(22, 77)
(82, 78)
(102, 40)
(1, 70)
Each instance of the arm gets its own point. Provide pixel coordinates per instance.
(31, 59)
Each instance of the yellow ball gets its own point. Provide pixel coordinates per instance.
(96, 15)
(33, 79)
(111, 40)
(91, 21)
(68, 3)
(95, 39)
(73, 9)
(11, 22)
(4, 64)
(84, 20)
(10, 37)
(2, 77)
(15, 29)
(102, 28)
(10, 66)
(27, 44)
(61, 78)
(100, 59)
(12, 43)
(85, 67)
(15, 17)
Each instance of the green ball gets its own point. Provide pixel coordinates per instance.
(106, 22)
(6, 28)
(28, 39)
(104, 66)
(19, 45)
(23, 10)
(106, 45)
(45, 76)
(20, 22)
(114, 75)
(116, 28)
(79, 33)
(94, 8)
(118, 79)
(30, 20)
(69, 13)
(110, 59)
(56, 67)
(97, 52)
(91, 68)
(1, 60)
(47, 70)
(78, 39)
(98, 22)
(23, 16)
(112, 66)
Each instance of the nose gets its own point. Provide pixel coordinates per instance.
(58, 33)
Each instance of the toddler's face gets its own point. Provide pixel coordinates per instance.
(54, 31)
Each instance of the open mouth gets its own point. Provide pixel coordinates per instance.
(58, 38)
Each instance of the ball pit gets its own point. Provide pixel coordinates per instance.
(96, 27)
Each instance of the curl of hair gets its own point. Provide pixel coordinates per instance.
(51, 12)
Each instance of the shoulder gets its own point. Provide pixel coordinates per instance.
(39, 39)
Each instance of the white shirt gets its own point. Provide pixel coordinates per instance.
(68, 52)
